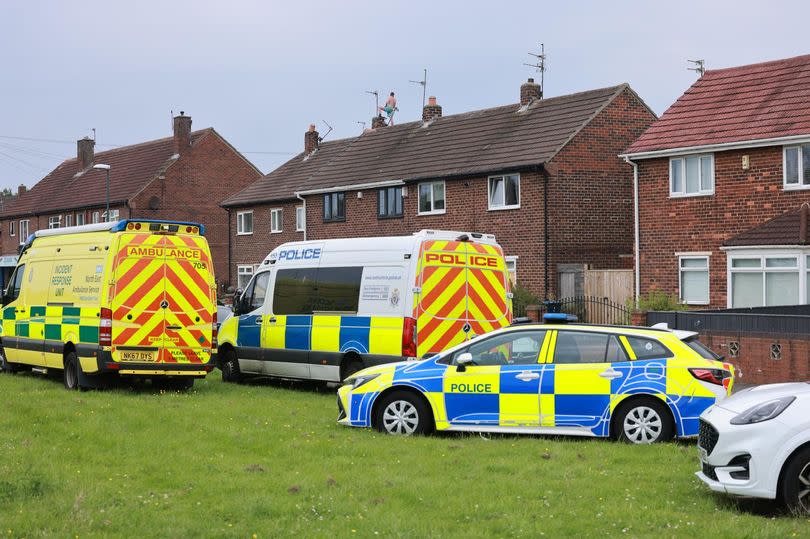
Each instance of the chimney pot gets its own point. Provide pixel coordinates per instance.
(21, 189)
(529, 91)
(311, 139)
(432, 110)
(85, 152)
(182, 132)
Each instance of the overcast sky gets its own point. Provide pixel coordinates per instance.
(261, 71)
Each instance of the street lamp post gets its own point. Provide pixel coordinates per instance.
(107, 168)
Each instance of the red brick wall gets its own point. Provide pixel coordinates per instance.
(742, 199)
(204, 175)
(754, 357)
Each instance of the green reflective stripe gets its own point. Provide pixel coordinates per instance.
(22, 329)
(9, 313)
(88, 334)
(71, 321)
(71, 311)
(37, 311)
(53, 332)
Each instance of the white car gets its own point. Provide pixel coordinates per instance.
(757, 443)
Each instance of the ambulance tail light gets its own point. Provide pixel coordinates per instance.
(105, 328)
(409, 337)
(214, 332)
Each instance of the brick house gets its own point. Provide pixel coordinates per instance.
(722, 176)
(182, 177)
(542, 175)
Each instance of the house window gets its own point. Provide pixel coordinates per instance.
(79, 219)
(243, 275)
(23, 231)
(54, 221)
(96, 217)
(693, 279)
(768, 280)
(275, 221)
(114, 215)
(334, 207)
(797, 167)
(300, 219)
(11, 228)
(511, 267)
(68, 219)
(389, 202)
(691, 175)
(244, 223)
(504, 192)
(431, 198)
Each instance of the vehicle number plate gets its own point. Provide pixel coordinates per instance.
(136, 355)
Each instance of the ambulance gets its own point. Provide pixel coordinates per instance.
(132, 298)
(324, 310)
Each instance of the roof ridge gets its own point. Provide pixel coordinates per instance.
(146, 142)
(758, 64)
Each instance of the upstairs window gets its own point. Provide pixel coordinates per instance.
(114, 214)
(11, 228)
(389, 202)
(23, 231)
(79, 219)
(431, 198)
(244, 223)
(691, 175)
(54, 221)
(300, 219)
(96, 217)
(797, 167)
(275, 221)
(504, 192)
(69, 219)
(334, 207)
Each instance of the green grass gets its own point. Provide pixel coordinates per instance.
(269, 460)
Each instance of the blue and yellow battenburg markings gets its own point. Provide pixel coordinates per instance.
(377, 335)
(53, 323)
(564, 395)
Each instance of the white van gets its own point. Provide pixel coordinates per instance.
(323, 310)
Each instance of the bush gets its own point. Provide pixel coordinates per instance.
(521, 298)
(657, 300)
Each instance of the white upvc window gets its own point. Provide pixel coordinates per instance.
(243, 275)
(300, 219)
(244, 223)
(275, 221)
(691, 175)
(796, 167)
(432, 198)
(23, 231)
(96, 217)
(55, 221)
(504, 192)
(114, 215)
(12, 228)
(693, 278)
(511, 267)
(768, 278)
(79, 218)
(68, 219)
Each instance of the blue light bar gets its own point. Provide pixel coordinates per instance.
(559, 318)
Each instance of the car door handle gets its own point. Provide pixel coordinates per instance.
(272, 320)
(258, 320)
(610, 374)
(527, 376)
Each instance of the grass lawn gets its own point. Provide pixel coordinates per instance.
(268, 459)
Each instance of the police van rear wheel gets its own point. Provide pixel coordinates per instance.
(71, 371)
(230, 367)
(643, 421)
(402, 412)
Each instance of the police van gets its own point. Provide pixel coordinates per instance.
(323, 310)
(132, 298)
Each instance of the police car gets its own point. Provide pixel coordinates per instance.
(642, 385)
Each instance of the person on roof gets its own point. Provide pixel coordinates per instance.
(389, 108)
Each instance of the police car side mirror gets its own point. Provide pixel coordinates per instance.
(463, 360)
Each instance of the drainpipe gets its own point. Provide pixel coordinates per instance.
(636, 243)
(302, 199)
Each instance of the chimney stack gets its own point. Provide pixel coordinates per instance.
(84, 152)
(378, 121)
(431, 110)
(310, 139)
(529, 91)
(21, 189)
(182, 132)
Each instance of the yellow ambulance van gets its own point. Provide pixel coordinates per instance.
(132, 298)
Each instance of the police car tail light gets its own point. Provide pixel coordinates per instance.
(105, 328)
(214, 332)
(719, 377)
(409, 337)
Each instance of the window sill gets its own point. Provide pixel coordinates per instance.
(383, 217)
(436, 212)
(503, 208)
(695, 302)
(244, 233)
(276, 231)
(300, 230)
(786, 187)
(343, 220)
(690, 195)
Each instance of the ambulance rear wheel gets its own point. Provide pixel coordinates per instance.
(71, 371)
(403, 412)
(230, 367)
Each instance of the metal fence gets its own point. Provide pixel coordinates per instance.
(587, 309)
(785, 320)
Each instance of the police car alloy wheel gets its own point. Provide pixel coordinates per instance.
(795, 485)
(644, 422)
(403, 413)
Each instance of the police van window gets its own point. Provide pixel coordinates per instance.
(259, 289)
(16, 283)
(294, 292)
(514, 348)
(581, 347)
(648, 348)
(338, 289)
